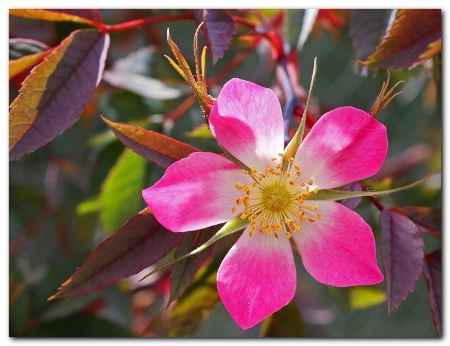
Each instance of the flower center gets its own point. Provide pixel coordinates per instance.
(275, 197)
(276, 200)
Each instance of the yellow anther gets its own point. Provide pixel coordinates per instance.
(310, 182)
(280, 154)
(238, 201)
(254, 184)
(313, 207)
(273, 159)
(251, 233)
(233, 210)
(244, 214)
(311, 219)
(296, 167)
(239, 186)
(244, 171)
(254, 171)
(319, 217)
(316, 189)
(291, 182)
(288, 235)
(261, 176)
(277, 227)
(297, 174)
(290, 160)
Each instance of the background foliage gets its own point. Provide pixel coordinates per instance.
(83, 188)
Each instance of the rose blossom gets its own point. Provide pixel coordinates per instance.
(337, 247)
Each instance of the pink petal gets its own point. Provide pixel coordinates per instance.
(257, 277)
(339, 249)
(247, 121)
(345, 145)
(195, 192)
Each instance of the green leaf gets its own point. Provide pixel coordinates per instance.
(121, 192)
(411, 40)
(183, 272)
(286, 322)
(154, 146)
(55, 93)
(89, 206)
(139, 243)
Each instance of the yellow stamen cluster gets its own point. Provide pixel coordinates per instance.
(275, 200)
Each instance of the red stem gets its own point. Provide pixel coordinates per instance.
(377, 203)
(243, 21)
(144, 21)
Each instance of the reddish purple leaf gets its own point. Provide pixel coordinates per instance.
(140, 242)
(55, 93)
(86, 16)
(428, 219)
(183, 272)
(433, 274)
(414, 35)
(218, 30)
(152, 145)
(402, 251)
(367, 27)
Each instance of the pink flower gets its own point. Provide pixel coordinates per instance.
(258, 276)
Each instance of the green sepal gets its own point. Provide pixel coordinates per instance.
(336, 194)
(230, 227)
(294, 144)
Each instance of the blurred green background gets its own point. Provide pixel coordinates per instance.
(56, 217)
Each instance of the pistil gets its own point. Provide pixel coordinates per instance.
(275, 201)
